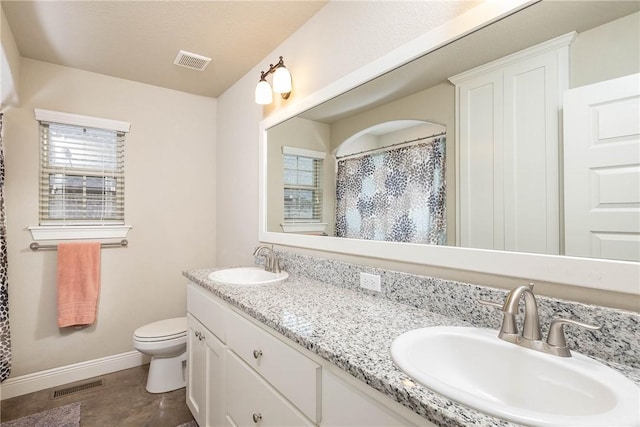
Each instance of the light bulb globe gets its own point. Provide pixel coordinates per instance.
(282, 80)
(264, 95)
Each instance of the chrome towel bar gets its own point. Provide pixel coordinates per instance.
(122, 243)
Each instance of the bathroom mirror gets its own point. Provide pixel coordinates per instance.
(418, 75)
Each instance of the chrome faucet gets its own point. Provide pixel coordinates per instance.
(531, 325)
(530, 336)
(271, 261)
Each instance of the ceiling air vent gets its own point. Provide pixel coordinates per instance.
(191, 60)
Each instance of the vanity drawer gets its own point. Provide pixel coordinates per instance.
(252, 401)
(207, 309)
(287, 370)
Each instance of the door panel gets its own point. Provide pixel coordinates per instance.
(602, 169)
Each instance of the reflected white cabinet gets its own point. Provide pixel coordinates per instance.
(508, 140)
(205, 366)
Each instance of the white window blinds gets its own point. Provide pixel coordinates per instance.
(302, 188)
(82, 175)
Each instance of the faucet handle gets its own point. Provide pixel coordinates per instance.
(276, 265)
(490, 303)
(509, 326)
(497, 304)
(556, 332)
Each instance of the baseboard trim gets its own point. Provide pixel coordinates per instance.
(42, 380)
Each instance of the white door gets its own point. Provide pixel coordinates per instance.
(602, 169)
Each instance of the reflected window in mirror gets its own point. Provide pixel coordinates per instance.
(302, 190)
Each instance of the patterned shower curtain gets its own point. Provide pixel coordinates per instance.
(396, 195)
(5, 336)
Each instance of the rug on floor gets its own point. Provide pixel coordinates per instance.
(189, 424)
(63, 416)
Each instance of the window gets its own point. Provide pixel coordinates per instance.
(302, 186)
(81, 170)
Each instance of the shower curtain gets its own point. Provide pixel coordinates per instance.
(396, 195)
(5, 337)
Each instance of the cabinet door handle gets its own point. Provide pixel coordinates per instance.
(199, 335)
(257, 418)
(257, 354)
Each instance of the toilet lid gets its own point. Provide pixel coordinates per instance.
(163, 329)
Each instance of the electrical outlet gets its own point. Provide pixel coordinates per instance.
(370, 281)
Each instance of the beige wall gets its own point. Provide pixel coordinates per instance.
(616, 47)
(170, 191)
(9, 64)
(306, 52)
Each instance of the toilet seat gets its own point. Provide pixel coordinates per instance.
(163, 330)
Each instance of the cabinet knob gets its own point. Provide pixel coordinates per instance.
(257, 354)
(257, 418)
(199, 335)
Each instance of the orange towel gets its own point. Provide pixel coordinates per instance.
(78, 283)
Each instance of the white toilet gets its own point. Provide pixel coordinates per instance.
(166, 342)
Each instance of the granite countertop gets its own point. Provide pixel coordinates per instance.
(352, 330)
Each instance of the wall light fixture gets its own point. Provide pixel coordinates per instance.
(281, 83)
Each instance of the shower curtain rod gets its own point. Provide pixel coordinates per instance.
(435, 135)
(122, 243)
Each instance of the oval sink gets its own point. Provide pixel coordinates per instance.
(247, 276)
(474, 367)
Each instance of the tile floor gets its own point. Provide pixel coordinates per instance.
(121, 401)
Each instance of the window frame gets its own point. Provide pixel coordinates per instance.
(55, 229)
(71, 158)
(317, 188)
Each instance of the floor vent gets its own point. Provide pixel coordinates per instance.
(77, 388)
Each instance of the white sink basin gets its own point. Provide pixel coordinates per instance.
(247, 276)
(474, 367)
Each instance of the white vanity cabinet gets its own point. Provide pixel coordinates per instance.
(293, 374)
(241, 373)
(205, 357)
(205, 366)
(348, 402)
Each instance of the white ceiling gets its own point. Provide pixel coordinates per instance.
(138, 40)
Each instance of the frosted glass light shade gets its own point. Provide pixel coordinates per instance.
(263, 93)
(282, 80)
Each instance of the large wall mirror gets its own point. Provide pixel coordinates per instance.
(454, 155)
